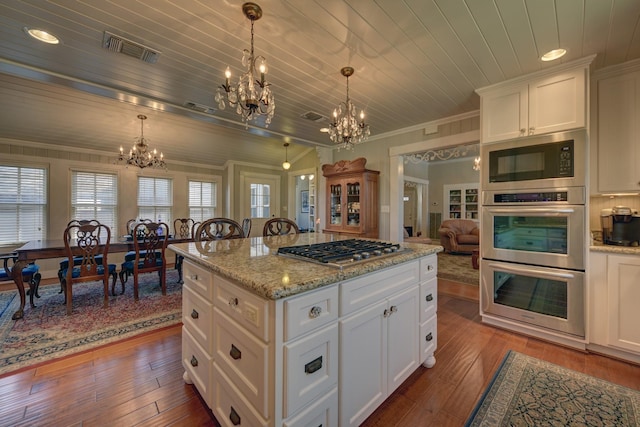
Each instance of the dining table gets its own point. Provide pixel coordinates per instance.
(54, 248)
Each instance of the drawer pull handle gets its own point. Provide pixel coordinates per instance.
(234, 417)
(194, 361)
(235, 353)
(195, 314)
(429, 336)
(313, 366)
(194, 277)
(429, 297)
(315, 312)
(233, 302)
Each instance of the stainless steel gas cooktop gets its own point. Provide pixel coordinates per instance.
(342, 253)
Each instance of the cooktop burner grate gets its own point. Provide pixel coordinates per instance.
(341, 252)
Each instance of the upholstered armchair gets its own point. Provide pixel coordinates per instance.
(459, 235)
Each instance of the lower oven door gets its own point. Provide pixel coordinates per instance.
(540, 235)
(550, 298)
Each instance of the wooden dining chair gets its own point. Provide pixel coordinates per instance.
(183, 228)
(64, 264)
(246, 227)
(279, 227)
(149, 247)
(87, 241)
(218, 229)
(30, 274)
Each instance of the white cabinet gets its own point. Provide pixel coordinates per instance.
(543, 104)
(461, 201)
(614, 288)
(618, 131)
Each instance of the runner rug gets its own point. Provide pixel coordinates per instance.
(46, 332)
(458, 269)
(530, 392)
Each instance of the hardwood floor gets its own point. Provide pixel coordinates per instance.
(138, 382)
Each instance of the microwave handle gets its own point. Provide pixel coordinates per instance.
(520, 270)
(549, 211)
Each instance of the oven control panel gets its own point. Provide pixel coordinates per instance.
(534, 197)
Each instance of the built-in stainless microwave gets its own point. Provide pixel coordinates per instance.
(539, 161)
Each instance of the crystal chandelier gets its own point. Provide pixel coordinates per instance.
(140, 155)
(345, 129)
(251, 97)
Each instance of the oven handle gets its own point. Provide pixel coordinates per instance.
(504, 267)
(548, 211)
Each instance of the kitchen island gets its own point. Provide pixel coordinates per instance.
(274, 341)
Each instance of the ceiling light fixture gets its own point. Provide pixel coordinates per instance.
(251, 97)
(345, 129)
(140, 155)
(286, 165)
(41, 35)
(553, 55)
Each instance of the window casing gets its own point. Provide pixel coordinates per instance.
(23, 204)
(203, 198)
(155, 199)
(95, 196)
(260, 201)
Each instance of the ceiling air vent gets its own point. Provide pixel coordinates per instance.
(127, 47)
(199, 107)
(314, 117)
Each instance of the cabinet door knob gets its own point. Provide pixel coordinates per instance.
(394, 309)
(386, 313)
(315, 312)
(194, 361)
(429, 337)
(233, 302)
(194, 314)
(429, 297)
(194, 277)
(522, 131)
(532, 130)
(429, 267)
(235, 353)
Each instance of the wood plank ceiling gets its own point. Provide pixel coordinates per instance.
(415, 61)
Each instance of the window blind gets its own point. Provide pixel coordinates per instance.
(155, 199)
(202, 200)
(95, 196)
(23, 202)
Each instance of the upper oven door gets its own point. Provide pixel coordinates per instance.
(539, 161)
(551, 236)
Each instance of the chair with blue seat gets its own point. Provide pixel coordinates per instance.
(150, 246)
(64, 264)
(30, 274)
(87, 241)
(218, 229)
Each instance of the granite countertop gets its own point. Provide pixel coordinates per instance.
(253, 263)
(601, 247)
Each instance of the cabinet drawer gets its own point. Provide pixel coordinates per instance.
(428, 338)
(198, 365)
(229, 407)
(196, 318)
(311, 368)
(244, 358)
(310, 311)
(428, 299)
(245, 308)
(364, 290)
(428, 267)
(198, 279)
(323, 412)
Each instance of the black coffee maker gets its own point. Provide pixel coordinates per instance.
(620, 226)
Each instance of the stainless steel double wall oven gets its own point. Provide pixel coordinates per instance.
(533, 231)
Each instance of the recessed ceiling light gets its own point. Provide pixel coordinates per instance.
(324, 130)
(553, 54)
(42, 35)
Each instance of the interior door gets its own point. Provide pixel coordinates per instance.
(259, 199)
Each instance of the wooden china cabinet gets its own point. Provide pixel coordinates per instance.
(352, 198)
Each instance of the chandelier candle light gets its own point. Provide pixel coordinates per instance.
(252, 97)
(140, 155)
(345, 129)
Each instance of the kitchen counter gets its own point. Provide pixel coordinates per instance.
(611, 249)
(253, 264)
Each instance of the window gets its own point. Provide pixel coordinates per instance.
(23, 202)
(95, 196)
(260, 200)
(202, 200)
(155, 199)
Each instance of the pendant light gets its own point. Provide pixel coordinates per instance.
(286, 165)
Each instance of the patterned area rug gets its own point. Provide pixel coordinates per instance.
(457, 268)
(530, 392)
(46, 332)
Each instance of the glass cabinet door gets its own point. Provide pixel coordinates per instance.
(353, 204)
(335, 203)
